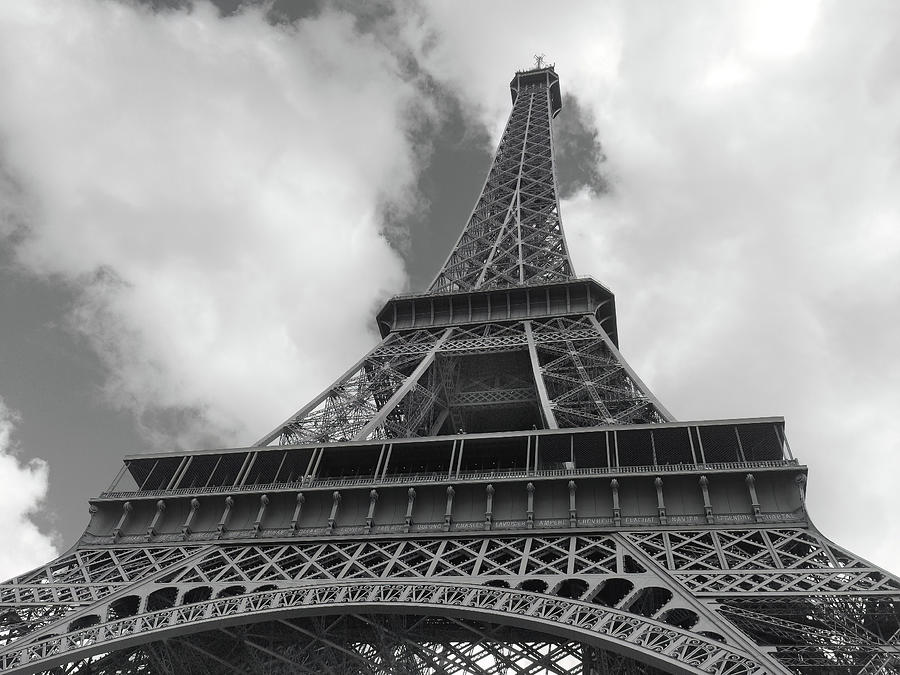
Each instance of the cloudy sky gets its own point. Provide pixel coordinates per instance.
(202, 206)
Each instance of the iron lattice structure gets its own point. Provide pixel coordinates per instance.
(491, 489)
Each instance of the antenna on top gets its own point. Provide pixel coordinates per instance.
(539, 60)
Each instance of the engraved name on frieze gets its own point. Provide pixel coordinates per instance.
(595, 521)
(509, 524)
(552, 522)
(468, 525)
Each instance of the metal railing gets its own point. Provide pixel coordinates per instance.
(462, 476)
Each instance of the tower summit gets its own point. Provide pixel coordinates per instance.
(507, 338)
(491, 489)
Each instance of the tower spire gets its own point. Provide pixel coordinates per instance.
(514, 235)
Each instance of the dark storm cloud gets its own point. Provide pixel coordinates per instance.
(579, 153)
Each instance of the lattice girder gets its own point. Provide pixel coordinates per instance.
(644, 639)
(379, 644)
(514, 235)
(648, 576)
(406, 387)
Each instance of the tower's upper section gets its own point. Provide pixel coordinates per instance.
(514, 236)
(544, 77)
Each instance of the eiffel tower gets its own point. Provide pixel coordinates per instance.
(492, 489)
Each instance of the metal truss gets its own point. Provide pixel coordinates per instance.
(647, 640)
(514, 235)
(643, 594)
(418, 382)
(415, 382)
(470, 356)
(380, 396)
(373, 644)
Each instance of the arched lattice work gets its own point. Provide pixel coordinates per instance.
(367, 644)
(646, 640)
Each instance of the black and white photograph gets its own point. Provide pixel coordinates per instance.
(450, 337)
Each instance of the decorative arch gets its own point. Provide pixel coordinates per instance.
(652, 642)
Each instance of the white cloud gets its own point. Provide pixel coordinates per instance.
(778, 29)
(752, 234)
(24, 490)
(214, 188)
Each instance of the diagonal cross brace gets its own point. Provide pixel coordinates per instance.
(404, 389)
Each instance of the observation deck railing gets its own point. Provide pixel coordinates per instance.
(462, 477)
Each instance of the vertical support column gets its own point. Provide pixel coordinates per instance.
(448, 512)
(529, 512)
(93, 510)
(117, 530)
(617, 511)
(157, 517)
(801, 486)
(660, 502)
(411, 499)
(257, 524)
(573, 517)
(335, 504)
(754, 500)
(707, 505)
(540, 385)
(301, 500)
(186, 528)
(226, 513)
(370, 516)
(489, 507)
